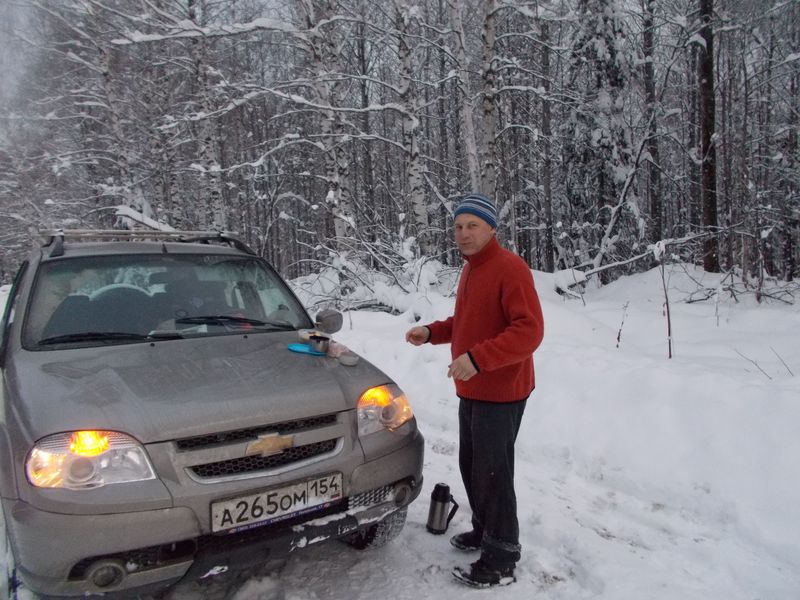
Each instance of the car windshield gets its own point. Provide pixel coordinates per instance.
(121, 299)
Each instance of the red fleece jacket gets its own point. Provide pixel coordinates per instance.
(498, 320)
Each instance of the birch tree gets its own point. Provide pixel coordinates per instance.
(489, 128)
(209, 191)
(465, 99)
(404, 19)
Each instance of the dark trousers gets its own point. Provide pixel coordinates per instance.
(487, 432)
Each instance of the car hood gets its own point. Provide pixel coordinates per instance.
(171, 389)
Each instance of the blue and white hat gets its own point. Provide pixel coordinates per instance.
(480, 206)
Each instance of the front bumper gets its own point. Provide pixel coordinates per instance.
(58, 554)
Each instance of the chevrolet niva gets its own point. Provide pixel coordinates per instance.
(162, 420)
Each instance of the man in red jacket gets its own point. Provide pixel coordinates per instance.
(496, 326)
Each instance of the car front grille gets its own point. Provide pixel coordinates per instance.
(212, 440)
(213, 457)
(251, 464)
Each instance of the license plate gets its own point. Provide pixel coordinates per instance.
(276, 504)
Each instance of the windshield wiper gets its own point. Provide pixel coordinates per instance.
(91, 336)
(109, 336)
(234, 320)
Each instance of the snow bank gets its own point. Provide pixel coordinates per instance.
(637, 476)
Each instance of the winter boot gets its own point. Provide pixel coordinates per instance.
(483, 575)
(468, 541)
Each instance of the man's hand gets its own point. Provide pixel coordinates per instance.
(418, 335)
(462, 368)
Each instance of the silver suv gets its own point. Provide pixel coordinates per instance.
(162, 418)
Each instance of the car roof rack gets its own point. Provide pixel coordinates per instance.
(55, 238)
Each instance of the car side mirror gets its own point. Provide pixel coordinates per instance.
(329, 320)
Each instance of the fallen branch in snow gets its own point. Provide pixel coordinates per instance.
(780, 358)
(754, 362)
(658, 249)
(781, 291)
(565, 280)
(619, 332)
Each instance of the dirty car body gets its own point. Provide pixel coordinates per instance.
(155, 426)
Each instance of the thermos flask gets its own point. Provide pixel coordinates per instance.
(438, 516)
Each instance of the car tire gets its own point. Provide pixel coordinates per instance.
(380, 533)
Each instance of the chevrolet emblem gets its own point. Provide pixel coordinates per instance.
(269, 444)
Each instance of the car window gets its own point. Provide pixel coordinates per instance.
(118, 299)
(11, 305)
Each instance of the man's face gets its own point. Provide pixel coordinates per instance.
(472, 233)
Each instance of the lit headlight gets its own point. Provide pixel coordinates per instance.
(87, 459)
(382, 407)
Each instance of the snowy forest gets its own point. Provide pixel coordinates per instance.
(340, 133)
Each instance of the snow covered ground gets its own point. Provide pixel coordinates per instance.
(638, 477)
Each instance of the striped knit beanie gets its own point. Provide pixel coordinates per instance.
(480, 206)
